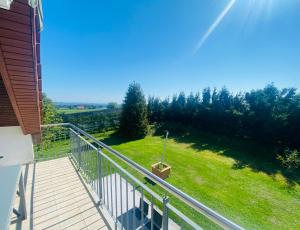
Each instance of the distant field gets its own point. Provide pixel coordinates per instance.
(72, 111)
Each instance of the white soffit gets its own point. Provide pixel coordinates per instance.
(15, 147)
(5, 4)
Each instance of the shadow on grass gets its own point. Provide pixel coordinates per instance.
(112, 139)
(246, 153)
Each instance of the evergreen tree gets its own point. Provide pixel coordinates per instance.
(206, 96)
(134, 122)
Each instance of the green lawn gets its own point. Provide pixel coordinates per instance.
(234, 177)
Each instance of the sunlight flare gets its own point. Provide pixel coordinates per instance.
(214, 25)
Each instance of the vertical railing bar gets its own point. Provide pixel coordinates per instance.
(152, 210)
(165, 214)
(111, 198)
(83, 152)
(42, 145)
(116, 198)
(127, 209)
(103, 184)
(65, 141)
(121, 199)
(134, 211)
(58, 146)
(107, 183)
(89, 154)
(142, 211)
(97, 179)
(54, 155)
(99, 176)
(55, 146)
(88, 166)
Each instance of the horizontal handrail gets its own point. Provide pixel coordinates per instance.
(203, 209)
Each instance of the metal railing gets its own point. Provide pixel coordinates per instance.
(131, 204)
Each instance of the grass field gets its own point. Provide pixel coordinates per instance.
(234, 177)
(72, 111)
(237, 178)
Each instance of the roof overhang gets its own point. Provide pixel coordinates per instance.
(20, 63)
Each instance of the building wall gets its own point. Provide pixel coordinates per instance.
(15, 147)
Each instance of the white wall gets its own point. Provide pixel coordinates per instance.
(16, 147)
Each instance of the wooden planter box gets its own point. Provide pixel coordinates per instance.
(163, 172)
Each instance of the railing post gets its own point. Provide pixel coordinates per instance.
(100, 175)
(22, 197)
(165, 220)
(78, 150)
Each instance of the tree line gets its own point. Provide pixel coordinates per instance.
(93, 122)
(268, 115)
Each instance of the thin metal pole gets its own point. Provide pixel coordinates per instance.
(142, 211)
(111, 198)
(42, 148)
(116, 201)
(165, 214)
(152, 210)
(165, 147)
(121, 200)
(134, 211)
(127, 209)
(79, 151)
(107, 183)
(100, 175)
(22, 197)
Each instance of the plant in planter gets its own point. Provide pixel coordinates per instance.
(161, 169)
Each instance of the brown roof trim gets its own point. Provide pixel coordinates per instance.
(36, 53)
(10, 91)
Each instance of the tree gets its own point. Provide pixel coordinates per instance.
(134, 122)
(154, 109)
(112, 105)
(206, 96)
(50, 114)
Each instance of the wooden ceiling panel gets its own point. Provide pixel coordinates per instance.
(17, 50)
(15, 56)
(19, 63)
(21, 73)
(15, 43)
(15, 26)
(20, 8)
(7, 115)
(5, 33)
(15, 17)
(19, 68)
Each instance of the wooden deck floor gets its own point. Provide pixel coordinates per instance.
(58, 199)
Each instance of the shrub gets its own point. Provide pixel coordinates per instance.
(290, 159)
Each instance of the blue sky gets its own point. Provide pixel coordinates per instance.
(92, 51)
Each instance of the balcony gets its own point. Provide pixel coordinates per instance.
(77, 182)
